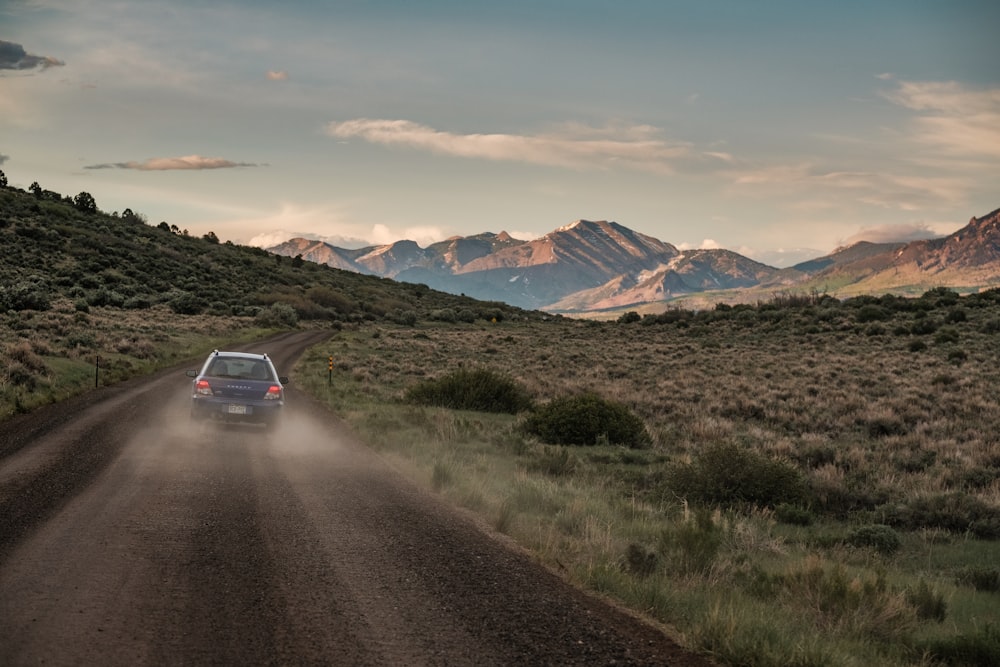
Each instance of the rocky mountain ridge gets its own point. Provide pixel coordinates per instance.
(590, 266)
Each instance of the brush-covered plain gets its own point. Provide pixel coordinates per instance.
(820, 484)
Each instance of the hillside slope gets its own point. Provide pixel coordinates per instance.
(52, 249)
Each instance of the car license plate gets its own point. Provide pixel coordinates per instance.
(237, 409)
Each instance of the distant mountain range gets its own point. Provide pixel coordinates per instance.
(599, 265)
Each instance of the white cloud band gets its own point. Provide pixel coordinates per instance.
(579, 148)
(188, 162)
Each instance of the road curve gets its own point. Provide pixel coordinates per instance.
(129, 536)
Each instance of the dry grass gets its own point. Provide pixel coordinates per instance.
(873, 427)
(50, 355)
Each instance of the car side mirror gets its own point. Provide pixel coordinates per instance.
(282, 379)
(192, 374)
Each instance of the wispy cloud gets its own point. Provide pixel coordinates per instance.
(827, 188)
(577, 146)
(706, 244)
(954, 118)
(903, 233)
(13, 56)
(174, 163)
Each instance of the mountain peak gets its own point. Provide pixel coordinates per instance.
(583, 223)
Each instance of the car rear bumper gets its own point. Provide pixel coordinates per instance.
(252, 412)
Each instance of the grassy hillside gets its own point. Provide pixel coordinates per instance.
(53, 249)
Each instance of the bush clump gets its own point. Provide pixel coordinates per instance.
(882, 539)
(729, 475)
(479, 389)
(955, 512)
(25, 295)
(278, 314)
(587, 419)
(185, 303)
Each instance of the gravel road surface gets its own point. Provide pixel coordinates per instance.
(130, 536)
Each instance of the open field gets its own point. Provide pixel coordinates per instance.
(822, 486)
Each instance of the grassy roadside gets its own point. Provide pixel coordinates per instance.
(890, 554)
(53, 354)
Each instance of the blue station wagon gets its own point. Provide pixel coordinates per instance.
(238, 387)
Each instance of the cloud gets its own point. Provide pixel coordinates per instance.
(277, 75)
(706, 244)
(954, 118)
(174, 163)
(781, 257)
(577, 147)
(13, 56)
(903, 233)
(827, 188)
(279, 236)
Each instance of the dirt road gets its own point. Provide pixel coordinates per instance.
(129, 536)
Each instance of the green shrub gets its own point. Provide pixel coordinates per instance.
(946, 335)
(106, 297)
(955, 315)
(727, 474)
(138, 302)
(406, 318)
(587, 419)
(924, 326)
(882, 539)
(872, 313)
(185, 303)
(956, 512)
(278, 314)
(26, 295)
(444, 315)
(477, 389)
(990, 326)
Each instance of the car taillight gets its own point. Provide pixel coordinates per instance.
(202, 387)
(273, 393)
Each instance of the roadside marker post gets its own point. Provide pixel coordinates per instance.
(329, 369)
(97, 372)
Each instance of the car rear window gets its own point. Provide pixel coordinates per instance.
(233, 367)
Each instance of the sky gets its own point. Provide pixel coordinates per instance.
(780, 130)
